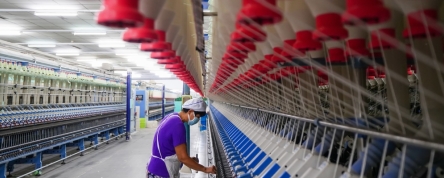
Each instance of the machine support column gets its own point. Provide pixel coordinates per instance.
(186, 91)
(128, 106)
(63, 152)
(3, 170)
(163, 101)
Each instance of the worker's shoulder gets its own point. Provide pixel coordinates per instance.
(174, 120)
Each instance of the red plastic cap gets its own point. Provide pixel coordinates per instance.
(422, 24)
(277, 57)
(356, 47)
(322, 78)
(288, 51)
(163, 54)
(144, 34)
(304, 42)
(365, 11)
(268, 62)
(336, 55)
(159, 45)
(235, 55)
(172, 60)
(260, 12)
(249, 33)
(155, 46)
(241, 47)
(120, 14)
(381, 39)
(329, 27)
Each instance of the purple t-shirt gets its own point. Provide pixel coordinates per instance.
(171, 134)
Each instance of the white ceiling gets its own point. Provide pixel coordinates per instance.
(19, 14)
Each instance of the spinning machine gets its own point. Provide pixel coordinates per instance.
(326, 88)
(45, 109)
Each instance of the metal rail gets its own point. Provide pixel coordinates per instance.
(374, 133)
(24, 149)
(37, 126)
(63, 159)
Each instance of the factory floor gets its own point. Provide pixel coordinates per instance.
(120, 159)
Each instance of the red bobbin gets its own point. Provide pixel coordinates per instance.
(163, 54)
(288, 51)
(241, 47)
(262, 12)
(368, 12)
(382, 39)
(144, 34)
(248, 33)
(268, 62)
(159, 45)
(356, 47)
(235, 55)
(322, 78)
(277, 57)
(304, 42)
(370, 73)
(120, 14)
(172, 60)
(336, 55)
(422, 24)
(329, 27)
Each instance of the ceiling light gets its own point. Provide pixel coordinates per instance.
(54, 13)
(121, 72)
(127, 53)
(118, 45)
(67, 54)
(89, 33)
(96, 63)
(86, 58)
(10, 32)
(164, 76)
(162, 73)
(41, 45)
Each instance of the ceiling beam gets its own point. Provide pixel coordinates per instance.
(71, 31)
(52, 10)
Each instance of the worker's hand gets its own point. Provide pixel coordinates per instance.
(195, 159)
(211, 170)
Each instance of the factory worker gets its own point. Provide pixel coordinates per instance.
(169, 144)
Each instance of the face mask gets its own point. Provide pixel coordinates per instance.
(194, 121)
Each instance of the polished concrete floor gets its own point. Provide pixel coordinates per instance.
(120, 159)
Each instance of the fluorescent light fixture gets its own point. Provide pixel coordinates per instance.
(121, 72)
(86, 60)
(91, 58)
(162, 73)
(135, 53)
(55, 13)
(96, 63)
(68, 54)
(164, 76)
(136, 76)
(115, 45)
(89, 33)
(41, 45)
(10, 32)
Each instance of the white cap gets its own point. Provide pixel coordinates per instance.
(196, 104)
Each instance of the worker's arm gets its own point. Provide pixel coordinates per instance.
(182, 155)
